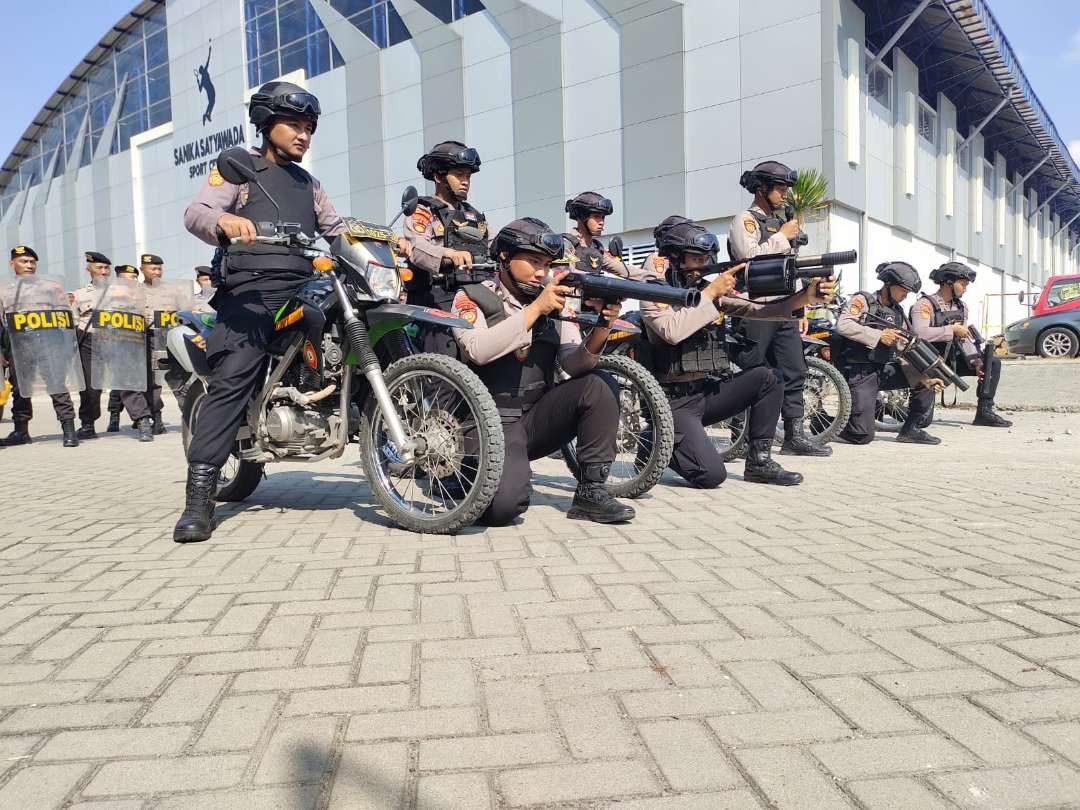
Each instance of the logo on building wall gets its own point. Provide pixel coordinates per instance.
(206, 85)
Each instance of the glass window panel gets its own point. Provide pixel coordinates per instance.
(135, 97)
(465, 7)
(927, 124)
(365, 23)
(253, 73)
(350, 7)
(130, 62)
(99, 111)
(73, 119)
(397, 30)
(295, 21)
(268, 68)
(251, 40)
(266, 31)
(440, 8)
(337, 59)
(101, 80)
(157, 50)
(157, 84)
(294, 57)
(253, 8)
(155, 21)
(132, 125)
(160, 113)
(318, 53)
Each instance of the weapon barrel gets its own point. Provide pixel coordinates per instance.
(594, 285)
(827, 259)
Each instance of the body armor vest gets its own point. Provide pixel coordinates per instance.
(852, 352)
(768, 224)
(516, 381)
(945, 317)
(294, 190)
(590, 255)
(704, 352)
(464, 228)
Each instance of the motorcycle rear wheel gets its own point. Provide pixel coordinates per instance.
(827, 398)
(237, 479)
(443, 402)
(646, 432)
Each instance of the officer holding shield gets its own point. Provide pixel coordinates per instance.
(37, 343)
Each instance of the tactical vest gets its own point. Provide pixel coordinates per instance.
(516, 382)
(851, 352)
(294, 190)
(704, 352)
(590, 255)
(464, 228)
(944, 317)
(768, 224)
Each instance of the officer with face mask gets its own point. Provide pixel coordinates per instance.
(769, 227)
(865, 351)
(941, 318)
(257, 278)
(689, 352)
(588, 211)
(514, 346)
(656, 265)
(445, 232)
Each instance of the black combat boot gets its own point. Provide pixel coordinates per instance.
(114, 423)
(20, 435)
(911, 434)
(159, 425)
(197, 521)
(797, 444)
(145, 427)
(71, 438)
(86, 431)
(593, 502)
(761, 469)
(987, 417)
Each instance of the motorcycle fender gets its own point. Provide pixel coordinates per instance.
(406, 313)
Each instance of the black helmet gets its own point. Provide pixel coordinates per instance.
(766, 174)
(530, 235)
(659, 231)
(588, 202)
(900, 273)
(282, 98)
(687, 237)
(952, 271)
(446, 156)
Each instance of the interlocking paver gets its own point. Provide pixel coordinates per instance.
(727, 649)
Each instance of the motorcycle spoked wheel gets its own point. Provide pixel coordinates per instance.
(891, 410)
(646, 432)
(729, 436)
(237, 479)
(827, 399)
(457, 470)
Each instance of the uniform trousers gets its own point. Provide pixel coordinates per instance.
(777, 344)
(585, 407)
(865, 382)
(695, 457)
(90, 398)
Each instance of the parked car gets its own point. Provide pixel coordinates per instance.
(1053, 327)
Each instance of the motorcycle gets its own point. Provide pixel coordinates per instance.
(827, 396)
(343, 368)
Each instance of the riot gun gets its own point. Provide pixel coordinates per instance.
(610, 289)
(778, 273)
(919, 354)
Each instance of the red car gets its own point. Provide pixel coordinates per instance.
(1053, 327)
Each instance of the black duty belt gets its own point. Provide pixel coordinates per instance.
(685, 389)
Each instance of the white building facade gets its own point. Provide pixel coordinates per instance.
(657, 104)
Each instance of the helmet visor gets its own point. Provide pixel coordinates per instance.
(465, 157)
(603, 206)
(705, 242)
(298, 103)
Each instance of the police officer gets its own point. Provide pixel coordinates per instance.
(866, 354)
(514, 346)
(162, 298)
(445, 232)
(142, 415)
(258, 279)
(656, 265)
(588, 211)
(201, 301)
(24, 261)
(941, 318)
(767, 227)
(688, 351)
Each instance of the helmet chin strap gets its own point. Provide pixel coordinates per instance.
(524, 292)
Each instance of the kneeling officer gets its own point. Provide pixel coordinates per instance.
(867, 356)
(689, 352)
(514, 346)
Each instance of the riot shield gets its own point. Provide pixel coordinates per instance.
(118, 337)
(163, 301)
(40, 329)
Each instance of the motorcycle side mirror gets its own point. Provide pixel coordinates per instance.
(410, 198)
(615, 247)
(236, 166)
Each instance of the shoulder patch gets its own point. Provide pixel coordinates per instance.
(750, 224)
(857, 305)
(465, 307)
(215, 178)
(421, 218)
(926, 310)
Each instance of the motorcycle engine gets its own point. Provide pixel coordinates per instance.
(299, 430)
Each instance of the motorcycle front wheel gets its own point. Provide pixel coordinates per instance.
(646, 432)
(237, 479)
(827, 400)
(460, 447)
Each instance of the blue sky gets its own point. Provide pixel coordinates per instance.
(56, 34)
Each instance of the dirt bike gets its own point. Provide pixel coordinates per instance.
(342, 368)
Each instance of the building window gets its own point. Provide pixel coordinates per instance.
(287, 35)
(450, 10)
(988, 176)
(141, 55)
(927, 123)
(879, 83)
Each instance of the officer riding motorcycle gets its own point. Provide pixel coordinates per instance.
(941, 318)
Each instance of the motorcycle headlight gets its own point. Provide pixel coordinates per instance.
(384, 281)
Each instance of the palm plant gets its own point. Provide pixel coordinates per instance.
(809, 195)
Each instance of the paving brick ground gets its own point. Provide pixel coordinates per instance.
(902, 631)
